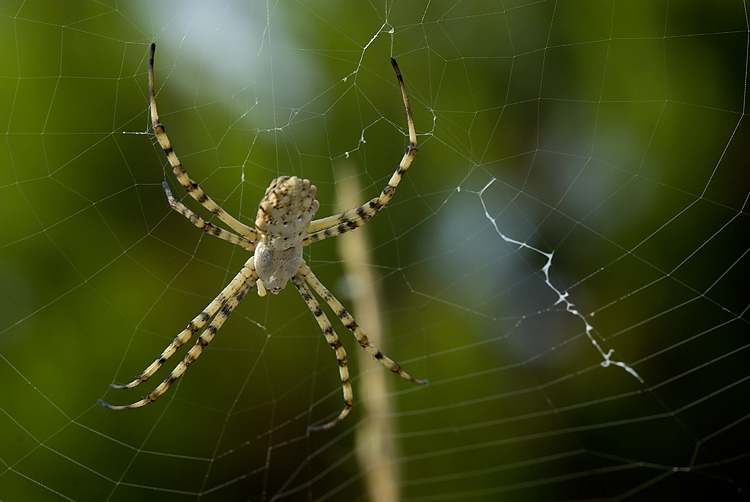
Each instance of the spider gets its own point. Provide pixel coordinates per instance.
(284, 226)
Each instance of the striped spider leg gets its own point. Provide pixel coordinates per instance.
(232, 294)
(224, 304)
(358, 216)
(284, 226)
(333, 339)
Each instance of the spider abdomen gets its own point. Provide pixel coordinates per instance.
(285, 212)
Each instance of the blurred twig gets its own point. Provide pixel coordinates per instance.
(375, 446)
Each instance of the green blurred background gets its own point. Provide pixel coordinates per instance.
(612, 134)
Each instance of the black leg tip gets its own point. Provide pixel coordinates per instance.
(165, 187)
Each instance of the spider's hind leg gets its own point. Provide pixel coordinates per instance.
(190, 186)
(206, 226)
(354, 218)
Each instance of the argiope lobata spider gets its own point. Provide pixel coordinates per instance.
(284, 226)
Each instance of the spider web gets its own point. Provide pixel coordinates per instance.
(566, 260)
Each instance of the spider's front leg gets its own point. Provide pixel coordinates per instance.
(350, 324)
(224, 304)
(333, 340)
(306, 275)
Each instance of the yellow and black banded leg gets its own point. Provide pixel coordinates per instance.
(206, 226)
(335, 343)
(349, 323)
(354, 218)
(191, 186)
(193, 327)
(228, 299)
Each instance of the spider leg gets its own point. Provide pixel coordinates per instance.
(349, 323)
(193, 327)
(191, 186)
(206, 226)
(354, 218)
(228, 299)
(334, 342)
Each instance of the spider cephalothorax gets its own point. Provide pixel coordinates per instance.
(284, 227)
